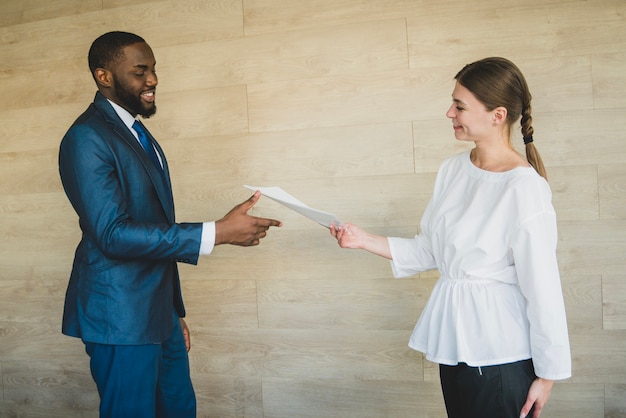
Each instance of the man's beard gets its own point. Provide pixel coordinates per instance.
(131, 102)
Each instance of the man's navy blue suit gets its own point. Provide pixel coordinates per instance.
(124, 288)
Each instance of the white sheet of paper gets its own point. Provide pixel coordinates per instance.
(279, 195)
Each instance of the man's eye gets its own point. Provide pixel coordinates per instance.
(139, 74)
(459, 108)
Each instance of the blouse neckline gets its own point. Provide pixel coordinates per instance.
(493, 175)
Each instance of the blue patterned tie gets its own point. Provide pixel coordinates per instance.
(146, 143)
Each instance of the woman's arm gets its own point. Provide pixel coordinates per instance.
(351, 236)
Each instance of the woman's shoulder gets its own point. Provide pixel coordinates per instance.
(455, 161)
(530, 191)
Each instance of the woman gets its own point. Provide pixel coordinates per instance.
(495, 321)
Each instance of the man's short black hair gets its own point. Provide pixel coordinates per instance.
(108, 48)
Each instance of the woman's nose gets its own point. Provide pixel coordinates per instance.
(450, 113)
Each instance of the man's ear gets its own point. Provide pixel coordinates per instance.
(103, 77)
(499, 115)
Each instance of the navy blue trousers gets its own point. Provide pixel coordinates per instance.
(487, 392)
(144, 381)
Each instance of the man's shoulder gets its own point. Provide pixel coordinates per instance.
(96, 117)
(90, 121)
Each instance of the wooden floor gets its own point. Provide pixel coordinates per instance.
(342, 103)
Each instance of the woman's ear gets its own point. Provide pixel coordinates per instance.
(499, 115)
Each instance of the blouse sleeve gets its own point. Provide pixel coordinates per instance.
(410, 255)
(534, 252)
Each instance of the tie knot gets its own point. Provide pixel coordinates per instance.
(139, 128)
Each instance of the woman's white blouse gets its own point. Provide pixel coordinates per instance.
(493, 237)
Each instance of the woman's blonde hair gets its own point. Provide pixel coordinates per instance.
(498, 82)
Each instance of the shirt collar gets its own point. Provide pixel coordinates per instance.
(126, 117)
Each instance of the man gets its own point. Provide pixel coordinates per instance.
(124, 297)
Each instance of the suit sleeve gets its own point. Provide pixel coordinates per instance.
(116, 202)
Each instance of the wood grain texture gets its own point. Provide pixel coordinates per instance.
(597, 356)
(351, 398)
(71, 85)
(345, 49)
(383, 304)
(270, 157)
(213, 111)
(576, 400)
(29, 172)
(228, 396)
(609, 79)
(526, 31)
(269, 16)
(614, 302)
(591, 247)
(361, 98)
(341, 103)
(612, 188)
(614, 406)
(20, 12)
(48, 389)
(300, 353)
(575, 138)
(37, 133)
(583, 302)
(68, 37)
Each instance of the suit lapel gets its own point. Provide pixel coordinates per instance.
(160, 179)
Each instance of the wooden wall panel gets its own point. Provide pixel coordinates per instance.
(314, 398)
(615, 395)
(358, 99)
(612, 188)
(228, 396)
(222, 303)
(342, 103)
(267, 157)
(583, 302)
(70, 84)
(580, 137)
(588, 403)
(308, 53)
(334, 303)
(216, 111)
(48, 389)
(614, 306)
(609, 79)
(597, 355)
(524, 31)
(21, 131)
(29, 172)
(591, 247)
(270, 16)
(302, 353)
(19, 12)
(68, 37)
(575, 192)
